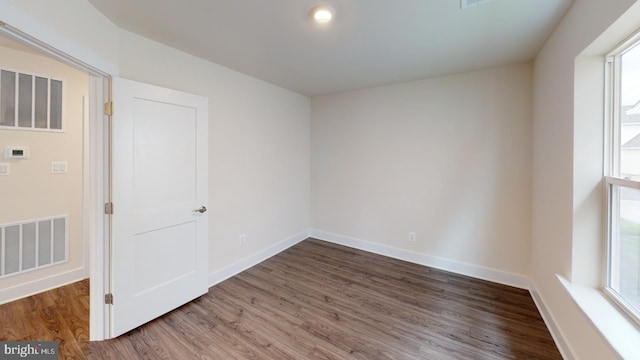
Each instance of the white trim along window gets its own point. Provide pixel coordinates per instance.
(622, 177)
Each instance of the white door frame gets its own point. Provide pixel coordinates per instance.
(96, 184)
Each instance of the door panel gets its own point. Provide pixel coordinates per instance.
(159, 243)
(156, 266)
(158, 154)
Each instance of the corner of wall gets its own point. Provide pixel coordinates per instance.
(558, 336)
(254, 259)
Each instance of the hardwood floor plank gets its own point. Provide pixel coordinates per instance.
(315, 300)
(347, 316)
(248, 323)
(368, 305)
(290, 325)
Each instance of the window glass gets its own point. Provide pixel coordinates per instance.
(7, 98)
(630, 114)
(56, 105)
(625, 245)
(41, 103)
(25, 94)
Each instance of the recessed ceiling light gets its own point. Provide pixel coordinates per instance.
(465, 4)
(322, 13)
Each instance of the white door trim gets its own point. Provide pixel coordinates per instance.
(95, 223)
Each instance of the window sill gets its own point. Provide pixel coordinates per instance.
(619, 331)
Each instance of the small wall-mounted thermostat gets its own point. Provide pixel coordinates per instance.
(16, 152)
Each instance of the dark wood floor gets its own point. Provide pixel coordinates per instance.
(313, 301)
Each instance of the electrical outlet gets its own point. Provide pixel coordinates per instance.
(412, 236)
(243, 239)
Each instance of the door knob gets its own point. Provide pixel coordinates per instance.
(201, 210)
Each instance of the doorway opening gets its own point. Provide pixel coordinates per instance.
(85, 163)
(42, 104)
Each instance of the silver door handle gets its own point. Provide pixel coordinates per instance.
(201, 210)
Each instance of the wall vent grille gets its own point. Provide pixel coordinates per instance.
(33, 244)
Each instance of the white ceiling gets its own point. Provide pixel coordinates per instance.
(370, 43)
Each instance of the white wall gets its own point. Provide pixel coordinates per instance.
(567, 169)
(258, 148)
(448, 158)
(31, 191)
(258, 133)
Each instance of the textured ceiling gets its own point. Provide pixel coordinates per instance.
(370, 43)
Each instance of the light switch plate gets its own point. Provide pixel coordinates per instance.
(5, 169)
(58, 167)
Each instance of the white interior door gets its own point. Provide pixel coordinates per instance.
(159, 222)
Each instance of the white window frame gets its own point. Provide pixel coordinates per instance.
(613, 180)
(33, 127)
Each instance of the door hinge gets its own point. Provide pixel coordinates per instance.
(108, 108)
(108, 208)
(108, 299)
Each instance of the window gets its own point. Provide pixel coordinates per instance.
(30, 102)
(623, 178)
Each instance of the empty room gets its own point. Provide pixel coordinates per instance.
(366, 179)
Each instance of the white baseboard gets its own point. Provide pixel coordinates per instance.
(549, 320)
(475, 271)
(41, 285)
(242, 265)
